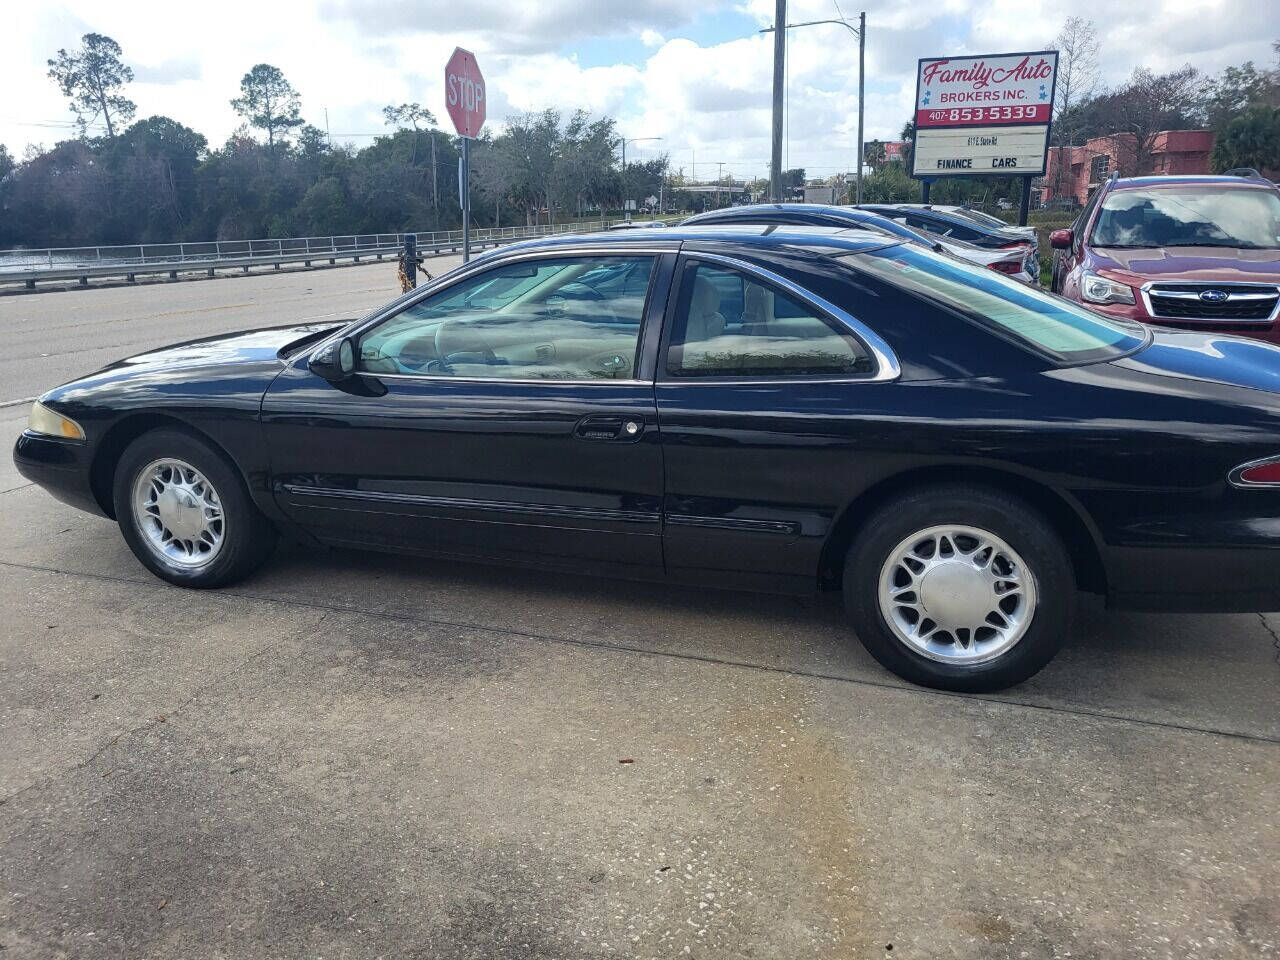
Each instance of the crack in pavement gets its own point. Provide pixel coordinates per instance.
(900, 688)
(1275, 637)
(161, 717)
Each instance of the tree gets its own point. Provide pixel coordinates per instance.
(874, 155)
(1147, 104)
(1250, 140)
(6, 162)
(413, 114)
(407, 116)
(908, 137)
(92, 78)
(1078, 45)
(268, 102)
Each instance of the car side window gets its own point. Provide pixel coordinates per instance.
(571, 318)
(729, 324)
(929, 225)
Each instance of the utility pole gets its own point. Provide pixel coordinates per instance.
(862, 51)
(435, 190)
(860, 30)
(779, 68)
(719, 180)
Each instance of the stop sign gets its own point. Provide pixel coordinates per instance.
(464, 93)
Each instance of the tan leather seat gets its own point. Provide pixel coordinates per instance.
(757, 310)
(705, 320)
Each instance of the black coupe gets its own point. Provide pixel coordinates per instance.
(776, 408)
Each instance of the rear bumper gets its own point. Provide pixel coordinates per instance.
(59, 466)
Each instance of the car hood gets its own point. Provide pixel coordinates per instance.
(1208, 358)
(251, 346)
(1194, 264)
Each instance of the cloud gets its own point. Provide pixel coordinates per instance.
(697, 75)
(170, 71)
(501, 26)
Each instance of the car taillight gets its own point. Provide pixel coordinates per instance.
(1258, 473)
(1010, 267)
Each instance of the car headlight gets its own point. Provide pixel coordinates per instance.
(1096, 289)
(53, 424)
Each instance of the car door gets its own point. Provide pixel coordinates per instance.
(756, 431)
(504, 414)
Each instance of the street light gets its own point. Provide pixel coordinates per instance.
(624, 166)
(860, 31)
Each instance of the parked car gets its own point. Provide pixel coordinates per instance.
(1193, 252)
(958, 222)
(768, 408)
(987, 220)
(1018, 262)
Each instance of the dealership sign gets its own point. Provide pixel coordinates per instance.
(984, 116)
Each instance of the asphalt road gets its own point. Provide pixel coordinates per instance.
(354, 755)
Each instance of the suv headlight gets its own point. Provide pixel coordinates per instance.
(53, 424)
(1096, 289)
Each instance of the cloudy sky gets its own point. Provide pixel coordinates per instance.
(696, 74)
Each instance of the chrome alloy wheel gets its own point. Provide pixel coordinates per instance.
(178, 512)
(957, 594)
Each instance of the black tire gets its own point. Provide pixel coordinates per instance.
(247, 536)
(1021, 527)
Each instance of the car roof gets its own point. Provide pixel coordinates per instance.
(750, 209)
(1178, 180)
(941, 213)
(832, 241)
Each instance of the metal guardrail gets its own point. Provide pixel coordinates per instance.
(80, 263)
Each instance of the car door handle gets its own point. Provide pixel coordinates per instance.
(609, 428)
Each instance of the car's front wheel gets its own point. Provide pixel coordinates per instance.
(185, 512)
(960, 587)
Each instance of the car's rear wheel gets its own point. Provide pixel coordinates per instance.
(185, 512)
(960, 587)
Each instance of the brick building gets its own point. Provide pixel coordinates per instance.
(1083, 168)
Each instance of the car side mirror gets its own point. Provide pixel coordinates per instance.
(1062, 239)
(335, 361)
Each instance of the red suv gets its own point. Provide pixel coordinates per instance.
(1200, 253)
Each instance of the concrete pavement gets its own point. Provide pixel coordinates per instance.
(354, 755)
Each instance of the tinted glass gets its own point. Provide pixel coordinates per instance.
(729, 324)
(1190, 216)
(984, 219)
(1046, 322)
(564, 319)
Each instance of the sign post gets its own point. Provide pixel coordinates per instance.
(465, 100)
(986, 116)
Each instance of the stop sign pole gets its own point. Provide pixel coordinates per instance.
(464, 96)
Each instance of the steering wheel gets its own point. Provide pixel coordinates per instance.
(453, 336)
(581, 291)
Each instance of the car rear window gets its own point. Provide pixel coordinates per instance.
(1045, 322)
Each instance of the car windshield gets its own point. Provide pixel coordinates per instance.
(1048, 323)
(1189, 216)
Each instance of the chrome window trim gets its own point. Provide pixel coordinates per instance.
(501, 256)
(542, 380)
(458, 274)
(1233, 477)
(1145, 290)
(887, 366)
